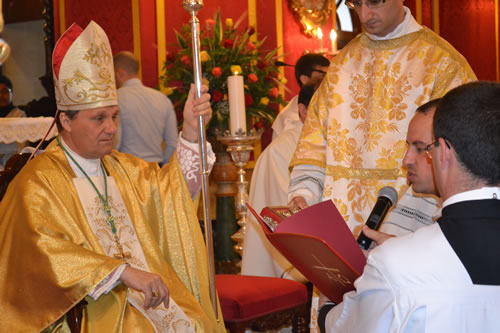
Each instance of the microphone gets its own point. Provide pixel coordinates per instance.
(387, 196)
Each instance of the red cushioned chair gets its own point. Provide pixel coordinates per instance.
(262, 303)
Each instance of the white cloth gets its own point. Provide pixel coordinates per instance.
(479, 194)
(269, 187)
(13, 135)
(147, 118)
(411, 212)
(416, 283)
(287, 118)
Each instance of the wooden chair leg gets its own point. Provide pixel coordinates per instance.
(238, 327)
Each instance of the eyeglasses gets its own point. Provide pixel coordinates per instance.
(6, 91)
(372, 4)
(428, 149)
(319, 71)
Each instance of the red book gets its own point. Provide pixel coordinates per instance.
(318, 242)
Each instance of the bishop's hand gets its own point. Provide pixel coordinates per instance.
(193, 109)
(151, 285)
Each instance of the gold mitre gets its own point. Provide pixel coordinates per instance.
(82, 66)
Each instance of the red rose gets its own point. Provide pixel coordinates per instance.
(185, 60)
(261, 65)
(252, 78)
(228, 43)
(216, 96)
(216, 71)
(273, 92)
(248, 100)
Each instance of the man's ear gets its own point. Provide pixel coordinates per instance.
(302, 112)
(445, 153)
(65, 121)
(304, 79)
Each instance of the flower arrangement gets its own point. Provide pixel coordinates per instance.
(225, 50)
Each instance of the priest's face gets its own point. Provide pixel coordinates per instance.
(90, 133)
(419, 164)
(382, 19)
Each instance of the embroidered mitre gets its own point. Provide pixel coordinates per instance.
(82, 66)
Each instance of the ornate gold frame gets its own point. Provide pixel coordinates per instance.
(311, 18)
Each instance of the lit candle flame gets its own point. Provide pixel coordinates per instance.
(333, 38)
(333, 35)
(319, 33)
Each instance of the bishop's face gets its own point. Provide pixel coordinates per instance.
(90, 133)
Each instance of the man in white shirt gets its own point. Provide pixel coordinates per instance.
(147, 116)
(445, 277)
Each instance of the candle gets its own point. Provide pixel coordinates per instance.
(333, 38)
(236, 92)
(319, 33)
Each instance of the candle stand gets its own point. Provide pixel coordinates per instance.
(240, 146)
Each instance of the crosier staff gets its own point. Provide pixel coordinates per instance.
(193, 7)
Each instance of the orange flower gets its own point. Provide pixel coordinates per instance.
(217, 71)
(273, 92)
(185, 60)
(252, 78)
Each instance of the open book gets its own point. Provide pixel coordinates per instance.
(318, 242)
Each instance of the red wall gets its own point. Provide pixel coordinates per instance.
(118, 24)
(470, 27)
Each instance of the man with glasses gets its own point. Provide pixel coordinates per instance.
(309, 68)
(410, 214)
(353, 140)
(442, 278)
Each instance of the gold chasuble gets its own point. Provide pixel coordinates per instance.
(357, 121)
(51, 258)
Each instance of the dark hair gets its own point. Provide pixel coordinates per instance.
(425, 108)
(5, 80)
(305, 64)
(468, 117)
(306, 93)
(70, 113)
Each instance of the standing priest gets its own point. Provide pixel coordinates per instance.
(83, 222)
(353, 140)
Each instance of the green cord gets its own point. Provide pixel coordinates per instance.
(104, 200)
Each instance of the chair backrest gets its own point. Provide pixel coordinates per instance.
(15, 163)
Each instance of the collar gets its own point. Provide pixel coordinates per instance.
(132, 82)
(479, 194)
(408, 26)
(91, 166)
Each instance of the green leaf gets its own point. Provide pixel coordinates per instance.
(182, 42)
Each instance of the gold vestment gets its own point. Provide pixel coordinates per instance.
(51, 259)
